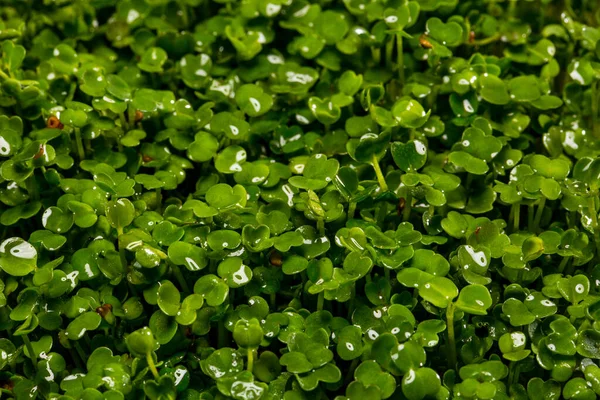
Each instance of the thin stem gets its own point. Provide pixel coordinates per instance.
(400, 50)
(563, 263)
(72, 90)
(122, 249)
(407, 207)
(512, 8)
(376, 54)
(32, 187)
(321, 226)
(511, 372)
(516, 217)
(151, 365)
(250, 355)
(487, 40)
(351, 209)
(592, 209)
(451, 339)
(184, 14)
(124, 124)
(80, 352)
(180, 279)
(32, 354)
(158, 200)
(350, 374)
(223, 334)
(379, 174)
(79, 141)
(320, 301)
(469, 180)
(389, 50)
(595, 126)
(381, 213)
(131, 116)
(75, 359)
(386, 272)
(351, 303)
(538, 214)
(530, 214)
(273, 300)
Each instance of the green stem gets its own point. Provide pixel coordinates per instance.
(530, 213)
(512, 8)
(250, 355)
(400, 50)
(571, 218)
(32, 354)
(321, 226)
(124, 124)
(80, 352)
(511, 372)
(485, 41)
(131, 115)
(469, 180)
(563, 263)
(320, 301)
(151, 365)
(158, 200)
(223, 334)
(595, 127)
(407, 207)
(79, 141)
(72, 90)
(386, 273)
(350, 374)
(351, 209)
(32, 187)
(376, 54)
(381, 213)
(451, 339)
(273, 300)
(516, 217)
(184, 14)
(351, 303)
(389, 50)
(180, 278)
(538, 214)
(76, 359)
(379, 174)
(122, 249)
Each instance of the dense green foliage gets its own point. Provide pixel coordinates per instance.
(298, 199)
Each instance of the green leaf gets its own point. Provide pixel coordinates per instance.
(141, 342)
(474, 299)
(493, 89)
(17, 257)
(88, 321)
(439, 291)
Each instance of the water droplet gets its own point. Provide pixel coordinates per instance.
(255, 104)
(420, 147)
